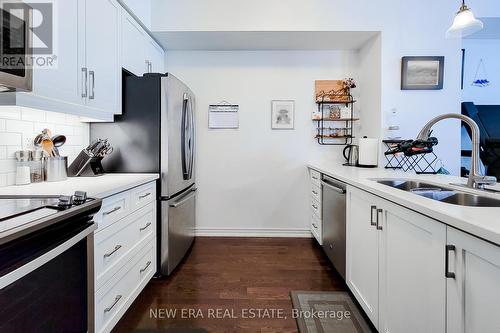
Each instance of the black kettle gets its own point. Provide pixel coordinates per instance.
(351, 155)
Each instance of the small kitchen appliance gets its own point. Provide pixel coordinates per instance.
(351, 155)
(368, 152)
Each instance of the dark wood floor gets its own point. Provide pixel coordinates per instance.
(232, 274)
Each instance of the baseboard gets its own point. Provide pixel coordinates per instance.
(254, 232)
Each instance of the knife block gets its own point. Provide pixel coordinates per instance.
(86, 166)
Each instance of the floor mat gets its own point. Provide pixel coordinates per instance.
(325, 312)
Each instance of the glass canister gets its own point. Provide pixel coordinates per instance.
(23, 158)
(36, 166)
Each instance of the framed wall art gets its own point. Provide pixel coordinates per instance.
(422, 73)
(282, 114)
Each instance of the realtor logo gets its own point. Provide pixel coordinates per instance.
(38, 18)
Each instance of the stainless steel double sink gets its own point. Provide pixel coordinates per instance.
(441, 193)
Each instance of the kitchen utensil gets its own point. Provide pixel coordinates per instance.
(48, 147)
(59, 141)
(37, 142)
(56, 168)
(351, 155)
(368, 152)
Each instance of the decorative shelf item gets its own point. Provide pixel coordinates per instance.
(420, 163)
(335, 104)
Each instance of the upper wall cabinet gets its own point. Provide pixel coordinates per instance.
(140, 53)
(100, 60)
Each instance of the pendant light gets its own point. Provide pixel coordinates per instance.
(465, 23)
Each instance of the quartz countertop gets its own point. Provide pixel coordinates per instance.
(483, 222)
(97, 187)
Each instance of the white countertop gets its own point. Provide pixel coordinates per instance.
(97, 187)
(483, 222)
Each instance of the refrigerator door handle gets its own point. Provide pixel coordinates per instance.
(191, 139)
(185, 171)
(184, 199)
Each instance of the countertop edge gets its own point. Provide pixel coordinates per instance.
(123, 188)
(460, 224)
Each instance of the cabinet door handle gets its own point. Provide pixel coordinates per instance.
(379, 223)
(447, 273)
(145, 267)
(117, 208)
(150, 67)
(84, 82)
(109, 254)
(372, 220)
(145, 227)
(145, 195)
(109, 308)
(92, 82)
(314, 206)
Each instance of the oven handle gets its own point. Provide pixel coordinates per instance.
(24, 270)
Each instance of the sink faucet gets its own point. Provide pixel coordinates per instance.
(476, 178)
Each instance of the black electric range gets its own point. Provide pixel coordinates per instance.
(46, 263)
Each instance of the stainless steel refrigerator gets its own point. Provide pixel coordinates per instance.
(156, 133)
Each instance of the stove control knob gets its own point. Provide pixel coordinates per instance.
(65, 201)
(80, 197)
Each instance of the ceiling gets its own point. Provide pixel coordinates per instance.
(263, 40)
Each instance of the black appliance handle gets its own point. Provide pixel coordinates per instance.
(191, 139)
(185, 173)
(344, 152)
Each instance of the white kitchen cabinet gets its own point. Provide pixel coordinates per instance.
(362, 251)
(140, 53)
(155, 57)
(124, 252)
(412, 287)
(316, 219)
(133, 46)
(101, 69)
(473, 287)
(395, 260)
(61, 81)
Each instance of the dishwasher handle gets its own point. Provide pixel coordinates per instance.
(333, 187)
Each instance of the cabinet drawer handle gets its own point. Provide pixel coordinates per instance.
(379, 224)
(314, 206)
(117, 299)
(315, 226)
(315, 193)
(144, 196)
(112, 211)
(107, 255)
(145, 267)
(447, 273)
(92, 81)
(315, 178)
(84, 82)
(145, 227)
(372, 221)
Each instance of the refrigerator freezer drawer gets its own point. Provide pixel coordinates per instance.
(178, 223)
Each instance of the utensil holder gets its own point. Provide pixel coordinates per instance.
(86, 166)
(56, 168)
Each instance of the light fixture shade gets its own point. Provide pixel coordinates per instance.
(465, 24)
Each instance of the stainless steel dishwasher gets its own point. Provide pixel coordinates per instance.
(334, 220)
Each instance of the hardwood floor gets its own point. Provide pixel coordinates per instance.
(231, 275)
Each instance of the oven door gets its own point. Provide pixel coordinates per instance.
(16, 51)
(46, 280)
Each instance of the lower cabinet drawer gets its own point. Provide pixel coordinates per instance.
(115, 245)
(113, 300)
(316, 229)
(316, 208)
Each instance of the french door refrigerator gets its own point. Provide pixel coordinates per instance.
(156, 134)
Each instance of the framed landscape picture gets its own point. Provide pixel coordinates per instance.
(422, 73)
(282, 114)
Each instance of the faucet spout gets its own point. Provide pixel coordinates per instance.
(476, 178)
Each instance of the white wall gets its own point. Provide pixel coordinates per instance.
(489, 51)
(253, 180)
(18, 127)
(407, 29)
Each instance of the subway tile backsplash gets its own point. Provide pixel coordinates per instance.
(18, 127)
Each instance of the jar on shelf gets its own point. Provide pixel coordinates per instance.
(36, 166)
